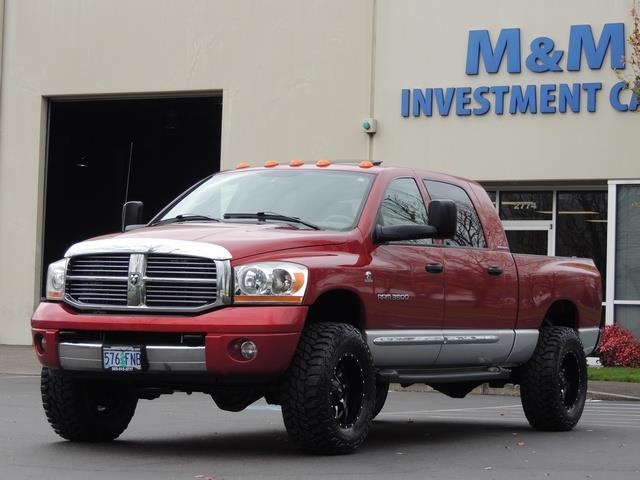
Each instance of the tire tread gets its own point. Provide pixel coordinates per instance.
(539, 382)
(302, 408)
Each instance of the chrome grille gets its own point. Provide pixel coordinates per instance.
(171, 266)
(99, 266)
(180, 280)
(98, 292)
(143, 281)
(173, 293)
(98, 279)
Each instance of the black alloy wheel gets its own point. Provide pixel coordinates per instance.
(347, 390)
(569, 379)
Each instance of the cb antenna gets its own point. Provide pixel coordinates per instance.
(126, 192)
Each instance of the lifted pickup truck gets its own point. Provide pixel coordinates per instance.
(313, 286)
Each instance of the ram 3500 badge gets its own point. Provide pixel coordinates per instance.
(314, 287)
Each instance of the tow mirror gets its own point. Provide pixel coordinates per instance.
(443, 219)
(443, 215)
(132, 215)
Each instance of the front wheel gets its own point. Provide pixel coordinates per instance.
(553, 385)
(329, 390)
(86, 410)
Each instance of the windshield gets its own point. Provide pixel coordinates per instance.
(330, 200)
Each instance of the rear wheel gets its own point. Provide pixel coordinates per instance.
(329, 390)
(554, 381)
(86, 410)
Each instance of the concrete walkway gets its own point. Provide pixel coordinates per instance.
(21, 360)
(18, 360)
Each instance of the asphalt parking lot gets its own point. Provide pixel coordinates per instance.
(418, 435)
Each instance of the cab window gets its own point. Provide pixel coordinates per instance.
(402, 204)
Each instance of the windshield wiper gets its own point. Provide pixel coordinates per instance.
(271, 216)
(187, 217)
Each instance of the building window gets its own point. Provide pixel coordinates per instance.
(530, 242)
(627, 277)
(526, 205)
(493, 195)
(469, 228)
(623, 259)
(628, 316)
(581, 227)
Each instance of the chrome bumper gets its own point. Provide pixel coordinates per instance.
(88, 357)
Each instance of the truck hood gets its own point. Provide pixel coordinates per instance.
(239, 239)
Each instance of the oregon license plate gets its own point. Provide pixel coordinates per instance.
(122, 359)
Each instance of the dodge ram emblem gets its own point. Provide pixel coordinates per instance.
(134, 279)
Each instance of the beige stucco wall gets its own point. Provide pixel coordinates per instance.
(295, 78)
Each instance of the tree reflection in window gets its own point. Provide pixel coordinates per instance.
(402, 204)
(469, 231)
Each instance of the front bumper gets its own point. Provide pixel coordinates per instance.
(274, 329)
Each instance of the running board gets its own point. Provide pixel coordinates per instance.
(445, 375)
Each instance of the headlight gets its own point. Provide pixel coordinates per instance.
(56, 279)
(270, 282)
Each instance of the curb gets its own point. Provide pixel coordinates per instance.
(594, 395)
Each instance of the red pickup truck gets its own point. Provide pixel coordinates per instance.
(313, 286)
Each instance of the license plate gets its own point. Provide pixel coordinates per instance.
(122, 359)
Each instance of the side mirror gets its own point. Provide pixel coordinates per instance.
(132, 215)
(443, 215)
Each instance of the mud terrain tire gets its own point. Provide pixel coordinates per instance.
(328, 394)
(86, 410)
(553, 384)
(382, 391)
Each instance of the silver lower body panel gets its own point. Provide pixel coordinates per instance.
(160, 358)
(589, 338)
(425, 348)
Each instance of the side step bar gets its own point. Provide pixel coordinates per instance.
(445, 375)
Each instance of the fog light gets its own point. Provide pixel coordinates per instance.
(248, 350)
(41, 343)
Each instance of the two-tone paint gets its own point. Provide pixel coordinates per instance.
(458, 315)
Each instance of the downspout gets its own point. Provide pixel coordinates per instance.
(372, 77)
(1, 41)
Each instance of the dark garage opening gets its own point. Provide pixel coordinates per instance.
(173, 142)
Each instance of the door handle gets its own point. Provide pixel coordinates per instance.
(434, 267)
(494, 270)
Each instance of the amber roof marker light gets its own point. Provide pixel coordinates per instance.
(365, 164)
(271, 163)
(323, 163)
(242, 165)
(296, 162)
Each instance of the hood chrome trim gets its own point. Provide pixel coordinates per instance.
(149, 245)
